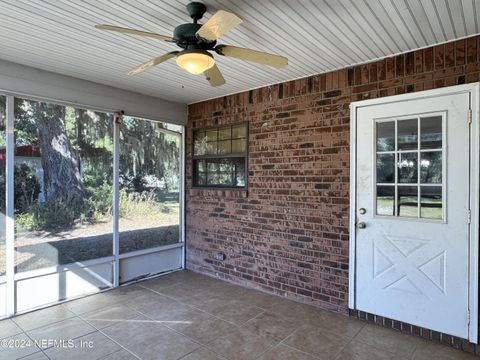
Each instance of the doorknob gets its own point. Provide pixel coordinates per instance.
(361, 225)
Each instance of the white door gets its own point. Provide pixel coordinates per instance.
(412, 211)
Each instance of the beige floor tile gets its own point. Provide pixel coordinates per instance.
(240, 345)
(204, 298)
(339, 324)
(170, 313)
(295, 312)
(149, 301)
(183, 293)
(271, 326)
(109, 316)
(39, 318)
(234, 311)
(174, 278)
(388, 340)
(210, 284)
(150, 339)
(427, 351)
(202, 327)
(120, 355)
(17, 346)
(165, 280)
(126, 293)
(64, 330)
(317, 342)
(91, 303)
(283, 352)
(260, 299)
(202, 354)
(92, 346)
(9, 328)
(360, 351)
(36, 356)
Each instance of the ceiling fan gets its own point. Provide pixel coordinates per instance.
(197, 40)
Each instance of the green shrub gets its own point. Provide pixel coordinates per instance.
(48, 216)
(99, 201)
(56, 215)
(25, 222)
(26, 189)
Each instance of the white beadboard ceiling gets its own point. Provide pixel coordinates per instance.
(316, 35)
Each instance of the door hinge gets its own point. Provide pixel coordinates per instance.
(469, 116)
(469, 216)
(468, 316)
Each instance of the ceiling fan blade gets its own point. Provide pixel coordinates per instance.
(133, 32)
(220, 23)
(214, 76)
(259, 57)
(151, 63)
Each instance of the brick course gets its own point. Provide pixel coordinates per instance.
(288, 232)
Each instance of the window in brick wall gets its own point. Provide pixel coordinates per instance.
(220, 156)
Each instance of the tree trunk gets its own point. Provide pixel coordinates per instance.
(62, 179)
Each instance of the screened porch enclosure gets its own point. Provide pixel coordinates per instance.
(89, 199)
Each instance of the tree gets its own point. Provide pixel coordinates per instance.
(147, 150)
(62, 179)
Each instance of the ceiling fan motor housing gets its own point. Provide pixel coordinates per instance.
(184, 36)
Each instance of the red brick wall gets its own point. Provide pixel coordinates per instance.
(288, 233)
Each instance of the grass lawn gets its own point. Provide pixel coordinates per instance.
(430, 209)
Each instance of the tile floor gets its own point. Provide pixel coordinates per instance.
(193, 317)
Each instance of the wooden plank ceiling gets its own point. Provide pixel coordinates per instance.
(316, 35)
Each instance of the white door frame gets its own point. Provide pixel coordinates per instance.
(473, 89)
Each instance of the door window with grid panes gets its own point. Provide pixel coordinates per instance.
(410, 167)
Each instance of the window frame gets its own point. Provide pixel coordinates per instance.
(418, 184)
(243, 155)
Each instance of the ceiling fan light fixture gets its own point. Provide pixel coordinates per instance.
(195, 61)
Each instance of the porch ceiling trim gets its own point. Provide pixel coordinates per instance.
(40, 84)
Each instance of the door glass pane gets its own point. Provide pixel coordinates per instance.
(149, 185)
(431, 130)
(386, 136)
(407, 201)
(385, 200)
(431, 167)
(407, 134)
(2, 185)
(407, 168)
(385, 168)
(62, 184)
(431, 202)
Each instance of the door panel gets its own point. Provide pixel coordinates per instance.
(412, 256)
